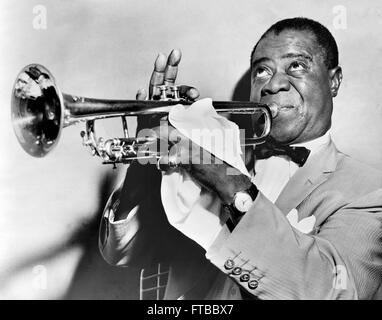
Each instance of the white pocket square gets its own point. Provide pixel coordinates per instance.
(306, 225)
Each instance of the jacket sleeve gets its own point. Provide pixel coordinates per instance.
(272, 260)
(145, 236)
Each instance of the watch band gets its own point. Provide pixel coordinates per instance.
(253, 191)
(235, 214)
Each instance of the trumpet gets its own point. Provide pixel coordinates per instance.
(40, 112)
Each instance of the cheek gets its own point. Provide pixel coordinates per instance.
(313, 115)
(314, 101)
(287, 129)
(314, 89)
(310, 96)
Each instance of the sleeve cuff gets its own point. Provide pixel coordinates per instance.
(130, 216)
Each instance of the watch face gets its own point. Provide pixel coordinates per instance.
(243, 201)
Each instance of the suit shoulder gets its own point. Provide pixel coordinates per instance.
(358, 172)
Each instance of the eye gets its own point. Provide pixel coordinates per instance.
(261, 73)
(296, 66)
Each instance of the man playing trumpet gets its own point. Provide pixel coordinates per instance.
(306, 230)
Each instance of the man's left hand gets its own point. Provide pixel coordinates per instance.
(211, 172)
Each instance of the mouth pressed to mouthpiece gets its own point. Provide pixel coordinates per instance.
(276, 108)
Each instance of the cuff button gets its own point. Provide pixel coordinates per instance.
(229, 264)
(253, 284)
(236, 271)
(244, 277)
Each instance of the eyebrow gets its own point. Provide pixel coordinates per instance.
(297, 55)
(285, 56)
(257, 61)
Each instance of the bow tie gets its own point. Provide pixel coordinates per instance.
(298, 155)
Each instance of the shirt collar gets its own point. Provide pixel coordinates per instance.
(315, 145)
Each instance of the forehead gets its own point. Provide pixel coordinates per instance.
(288, 41)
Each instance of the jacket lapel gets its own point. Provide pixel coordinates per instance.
(315, 171)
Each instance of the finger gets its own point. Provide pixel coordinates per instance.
(167, 162)
(178, 151)
(176, 157)
(141, 94)
(171, 70)
(188, 93)
(157, 77)
(143, 121)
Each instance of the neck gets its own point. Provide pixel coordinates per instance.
(315, 145)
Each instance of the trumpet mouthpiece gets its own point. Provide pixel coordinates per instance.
(274, 109)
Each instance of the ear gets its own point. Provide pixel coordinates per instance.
(335, 78)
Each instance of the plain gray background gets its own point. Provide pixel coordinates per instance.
(50, 207)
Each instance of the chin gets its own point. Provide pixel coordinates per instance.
(283, 134)
(281, 138)
(280, 141)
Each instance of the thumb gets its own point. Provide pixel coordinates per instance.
(141, 94)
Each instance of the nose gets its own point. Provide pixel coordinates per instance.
(278, 82)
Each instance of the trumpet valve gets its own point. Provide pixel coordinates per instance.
(175, 92)
(169, 93)
(163, 92)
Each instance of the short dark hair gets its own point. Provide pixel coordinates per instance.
(323, 37)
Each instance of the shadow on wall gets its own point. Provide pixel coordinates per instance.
(243, 87)
(241, 93)
(94, 278)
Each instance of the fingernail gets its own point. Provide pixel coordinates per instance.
(160, 61)
(160, 54)
(176, 52)
(175, 57)
(193, 93)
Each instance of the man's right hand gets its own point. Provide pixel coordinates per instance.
(140, 179)
(164, 73)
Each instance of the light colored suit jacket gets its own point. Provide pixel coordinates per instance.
(341, 258)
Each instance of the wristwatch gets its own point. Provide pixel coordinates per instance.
(242, 201)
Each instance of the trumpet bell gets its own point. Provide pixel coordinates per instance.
(36, 110)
